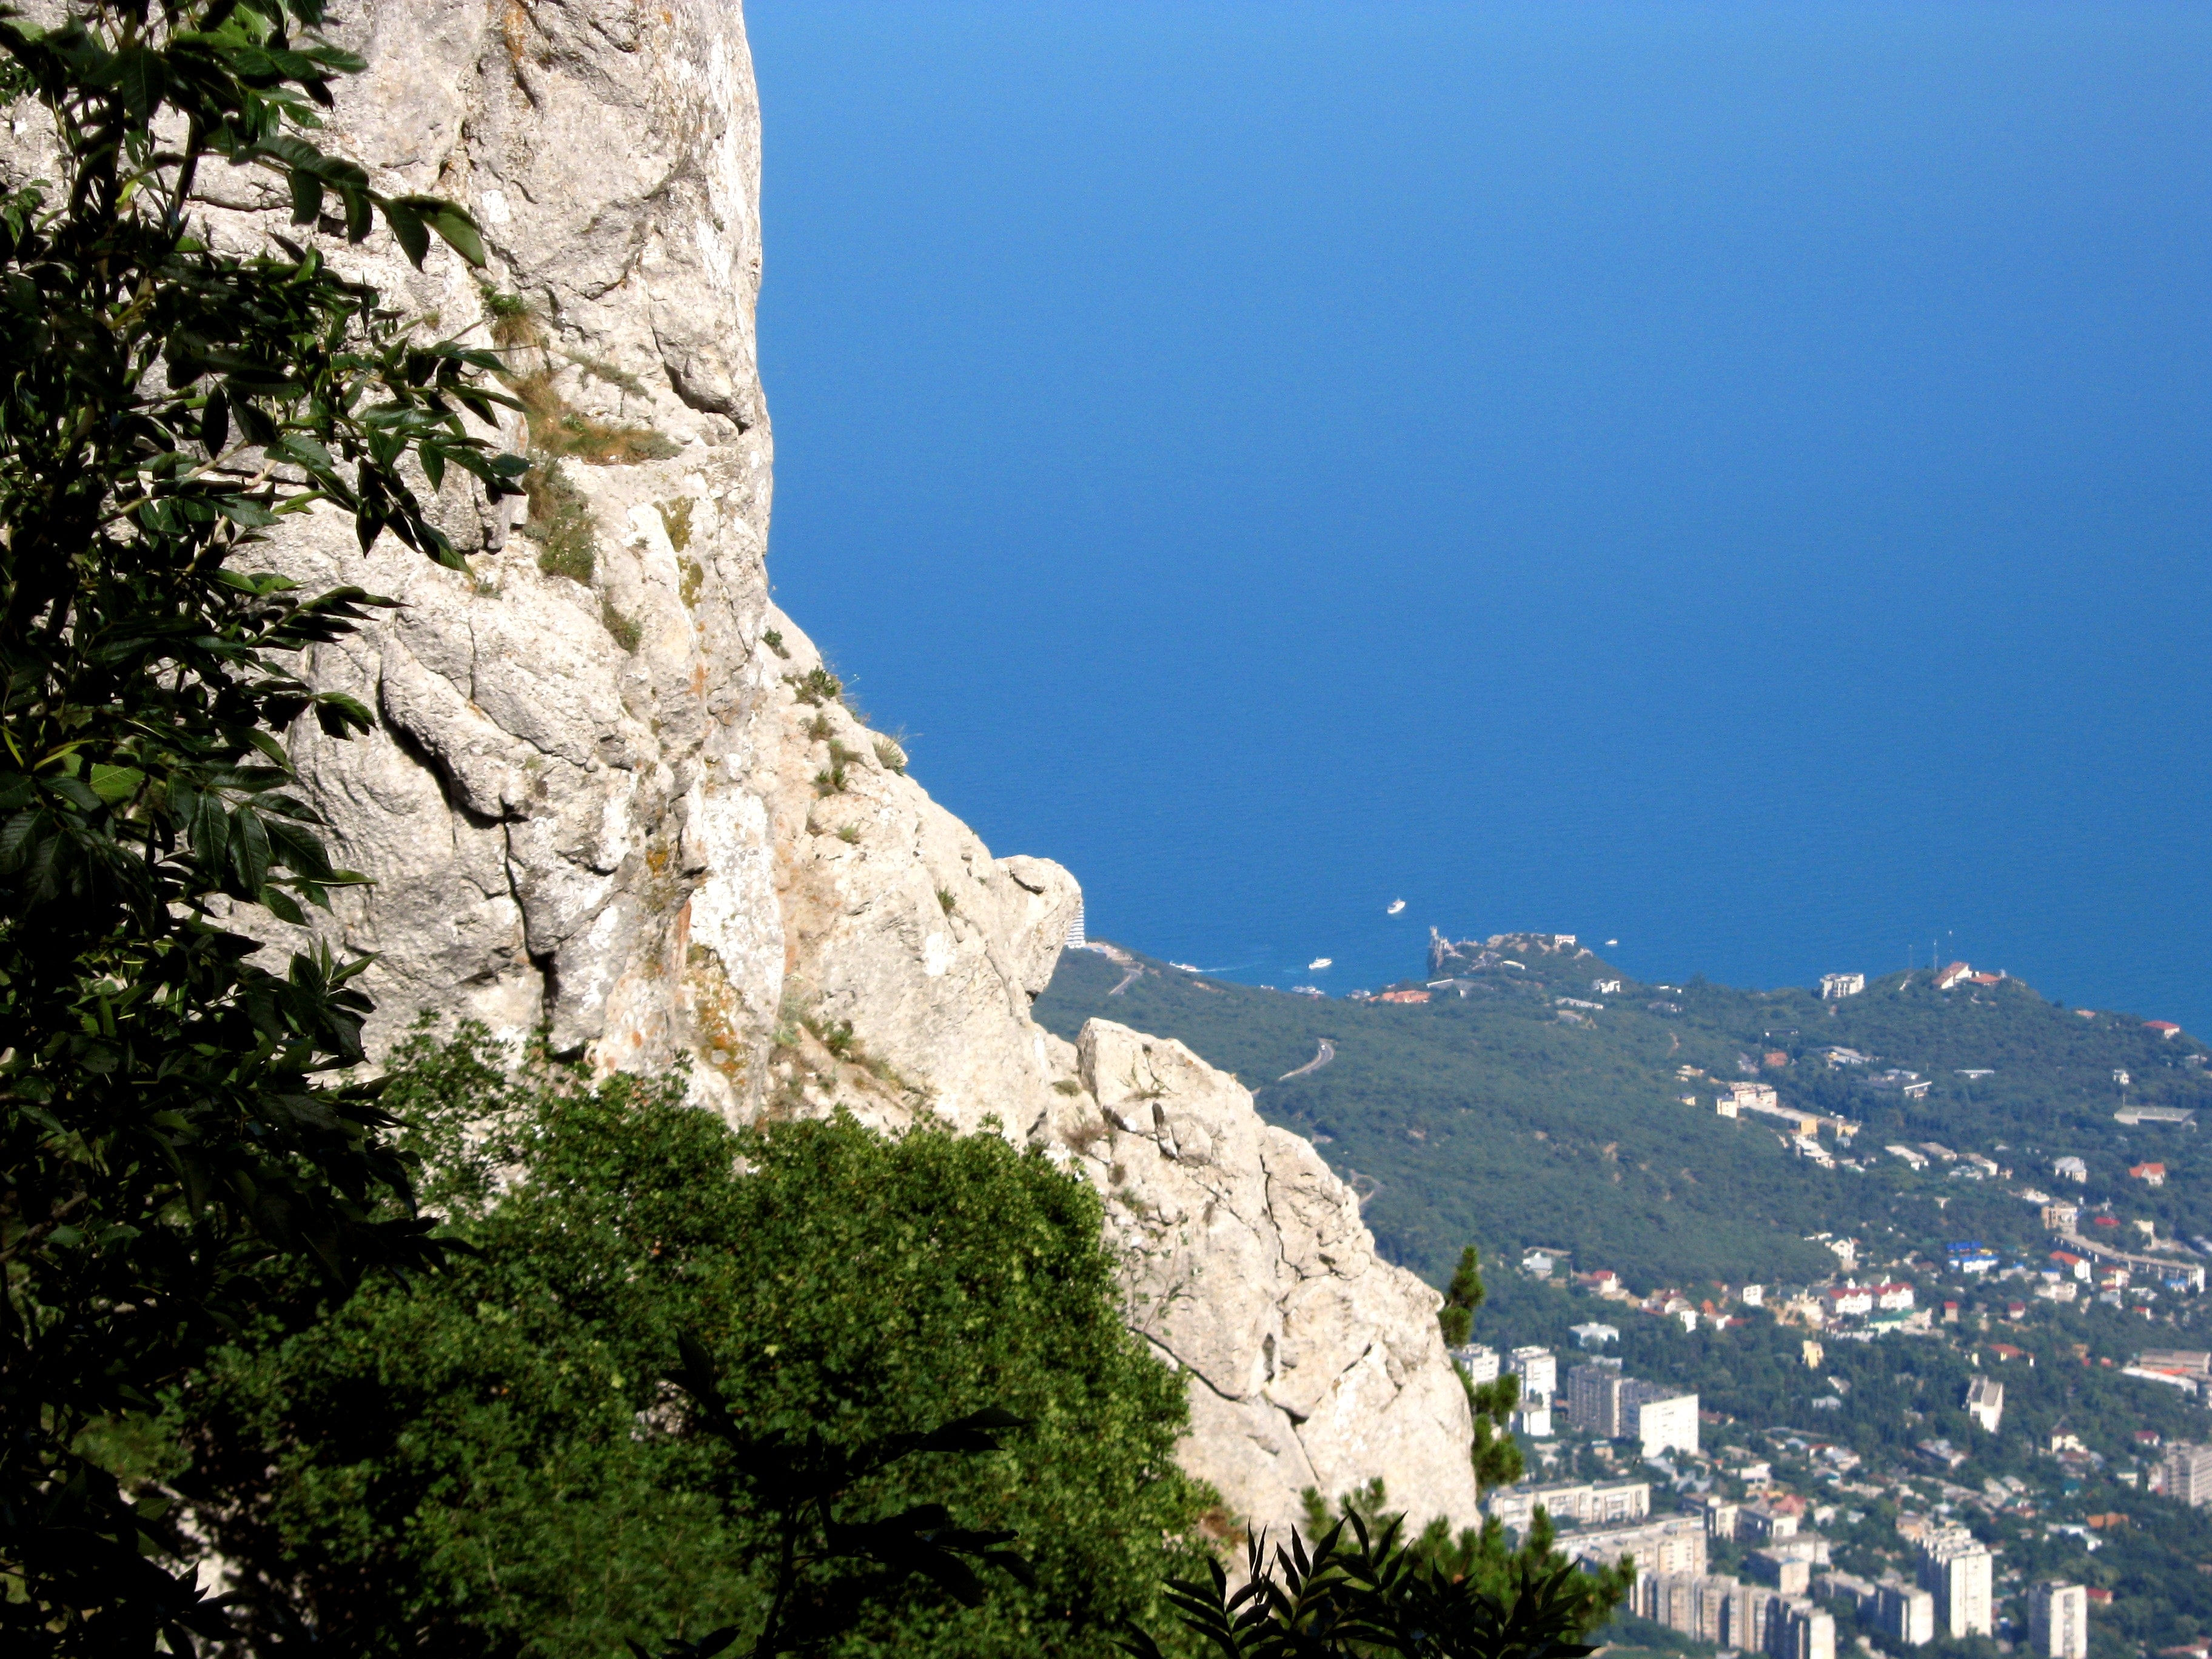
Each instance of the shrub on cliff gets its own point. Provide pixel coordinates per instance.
(489, 1461)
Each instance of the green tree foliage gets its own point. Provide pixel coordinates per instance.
(487, 1460)
(163, 403)
(1485, 1114)
(1462, 1298)
(826, 1570)
(1481, 1557)
(1497, 1460)
(1362, 1590)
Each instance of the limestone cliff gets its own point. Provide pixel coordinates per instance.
(614, 792)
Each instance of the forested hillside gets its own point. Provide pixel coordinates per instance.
(1495, 1112)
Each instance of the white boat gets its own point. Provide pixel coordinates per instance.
(1318, 964)
(1186, 967)
(1397, 905)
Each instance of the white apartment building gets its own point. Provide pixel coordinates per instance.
(1676, 1544)
(1956, 1570)
(1835, 987)
(2058, 1621)
(1985, 1402)
(1587, 1503)
(2184, 1474)
(1659, 1422)
(1904, 1614)
(1539, 1372)
(1479, 1362)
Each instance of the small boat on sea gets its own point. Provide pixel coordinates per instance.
(1318, 964)
(1397, 905)
(1186, 967)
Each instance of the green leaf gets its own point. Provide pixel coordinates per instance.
(407, 229)
(307, 196)
(141, 80)
(113, 784)
(278, 903)
(453, 223)
(214, 422)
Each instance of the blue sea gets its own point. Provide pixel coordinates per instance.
(1732, 479)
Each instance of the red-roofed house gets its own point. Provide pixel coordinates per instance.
(1403, 996)
(1952, 974)
(2104, 1221)
(2165, 1028)
(2151, 1175)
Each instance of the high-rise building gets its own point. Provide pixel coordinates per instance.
(1676, 1544)
(1075, 940)
(1659, 1418)
(2058, 1621)
(1601, 1400)
(1955, 1570)
(1808, 1632)
(1729, 1614)
(1593, 1397)
(1904, 1614)
(1539, 1372)
(2184, 1474)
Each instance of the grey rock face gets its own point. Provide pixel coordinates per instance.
(1313, 1363)
(610, 794)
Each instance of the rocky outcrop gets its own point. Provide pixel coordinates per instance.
(1313, 1363)
(614, 794)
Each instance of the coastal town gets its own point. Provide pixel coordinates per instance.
(1783, 1540)
(1863, 1314)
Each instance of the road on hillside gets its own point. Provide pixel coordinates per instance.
(1328, 1053)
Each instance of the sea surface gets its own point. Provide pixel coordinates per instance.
(1732, 479)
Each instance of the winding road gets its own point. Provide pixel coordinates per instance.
(1328, 1053)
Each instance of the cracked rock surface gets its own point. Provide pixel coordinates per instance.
(605, 798)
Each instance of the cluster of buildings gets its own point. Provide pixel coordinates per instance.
(1733, 1099)
(1774, 1614)
(1598, 1399)
(2184, 1474)
(1585, 1503)
(1717, 1608)
(1602, 1400)
(1674, 1588)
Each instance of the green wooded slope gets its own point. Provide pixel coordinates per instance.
(1486, 1117)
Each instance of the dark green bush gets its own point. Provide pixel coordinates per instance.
(489, 1461)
